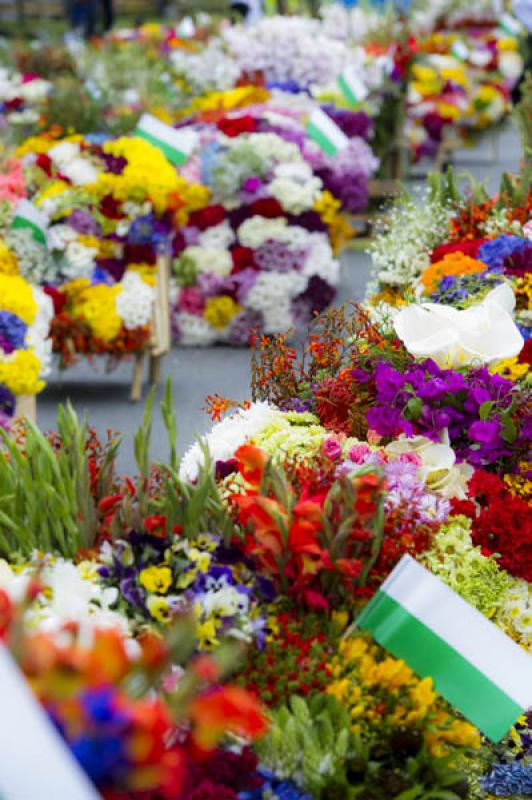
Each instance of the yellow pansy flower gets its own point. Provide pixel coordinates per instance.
(156, 579)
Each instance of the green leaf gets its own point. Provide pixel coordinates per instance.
(413, 408)
(509, 430)
(485, 408)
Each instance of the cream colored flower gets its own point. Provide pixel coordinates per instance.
(483, 333)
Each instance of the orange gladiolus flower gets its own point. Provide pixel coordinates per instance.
(251, 463)
(229, 709)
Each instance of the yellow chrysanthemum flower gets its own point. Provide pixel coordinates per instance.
(17, 297)
(219, 311)
(20, 372)
(96, 305)
(8, 260)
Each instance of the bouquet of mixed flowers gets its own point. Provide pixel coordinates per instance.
(112, 207)
(258, 256)
(25, 350)
(461, 80)
(141, 718)
(471, 259)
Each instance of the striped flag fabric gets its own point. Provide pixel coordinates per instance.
(177, 145)
(474, 665)
(459, 50)
(35, 760)
(352, 87)
(28, 216)
(326, 132)
(509, 25)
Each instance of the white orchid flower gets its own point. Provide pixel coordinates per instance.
(484, 333)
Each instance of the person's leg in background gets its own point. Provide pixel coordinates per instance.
(108, 14)
(89, 10)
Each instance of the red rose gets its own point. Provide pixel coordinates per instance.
(269, 207)
(242, 258)
(207, 217)
(110, 207)
(237, 125)
(58, 298)
(44, 162)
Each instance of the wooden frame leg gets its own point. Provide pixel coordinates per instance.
(26, 407)
(138, 372)
(155, 370)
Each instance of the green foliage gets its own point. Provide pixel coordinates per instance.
(311, 739)
(523, 115)
(50, 489)
(72, 108)
(45, 492)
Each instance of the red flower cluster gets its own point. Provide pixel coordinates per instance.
(469, 248)
(71, 337)
(501, 523)
(235, 126)
(294, 661)
(311, 554)
(221, 776)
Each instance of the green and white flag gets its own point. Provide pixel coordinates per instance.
(474, 665)
(510, 25)
(28, 216)
(177, 145)
(459, 50)
(352, 87)
(35, 761)
(326, 133)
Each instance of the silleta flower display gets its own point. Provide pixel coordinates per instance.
(195, 627)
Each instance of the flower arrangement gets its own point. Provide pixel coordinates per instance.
(25, 315)
(84, 685)
(258, 256)
(462, 80)
(112, 208)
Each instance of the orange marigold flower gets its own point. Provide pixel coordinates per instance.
(451, 264)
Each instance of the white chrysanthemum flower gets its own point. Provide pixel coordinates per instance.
(37, 335)
(194, 330)
(80, 171)
(210, 259)
(227, 436)
(274, 290)
(59, 236)
(64, 153)
(79, 260)
(320, 260)
(218, 237)
(134, 304)
(257, 230)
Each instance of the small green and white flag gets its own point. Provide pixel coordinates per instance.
(510, 25)
(326, 133)
(474, 665)
(352, 87)
(459, 50)
(28, 216)
(177, 145)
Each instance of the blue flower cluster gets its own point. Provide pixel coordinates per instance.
(12, 332)
(495, 251)
(275, 788)
(509, 780)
